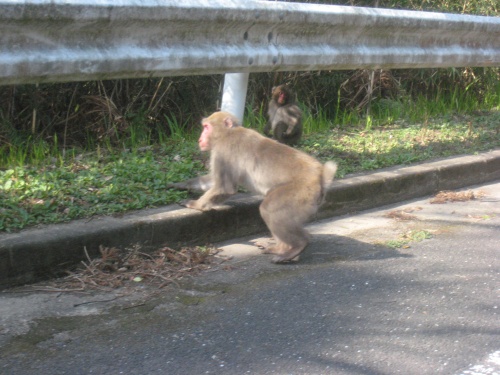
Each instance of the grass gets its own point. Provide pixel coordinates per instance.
(39, 184)
(97, 183)
(403, 143)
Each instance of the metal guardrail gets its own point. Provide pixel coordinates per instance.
(67, 40)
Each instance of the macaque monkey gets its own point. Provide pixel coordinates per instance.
(292, 182)
(285, 117)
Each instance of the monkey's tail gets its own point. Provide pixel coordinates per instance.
(329, 170)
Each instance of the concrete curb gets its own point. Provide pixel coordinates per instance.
(36, 254)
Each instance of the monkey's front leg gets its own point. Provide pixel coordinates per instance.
(207, 201)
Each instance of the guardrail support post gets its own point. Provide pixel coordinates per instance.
(235, 93)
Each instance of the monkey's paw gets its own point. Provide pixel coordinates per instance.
(190, 204)
(196, 205)
(264, 244)
(292, 255)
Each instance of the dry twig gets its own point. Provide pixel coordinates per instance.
(117, 268)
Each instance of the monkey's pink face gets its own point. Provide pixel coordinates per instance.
(281, 98)
(204, 141)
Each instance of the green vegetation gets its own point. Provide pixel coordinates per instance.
(54, 187)
(403, 143)
(407, 238)
(75, 150)
(94, 183)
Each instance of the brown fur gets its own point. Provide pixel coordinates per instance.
(292, 182)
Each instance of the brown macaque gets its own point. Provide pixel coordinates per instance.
(292, 182)
(285, 116)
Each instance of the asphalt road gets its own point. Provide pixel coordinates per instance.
(353, 304)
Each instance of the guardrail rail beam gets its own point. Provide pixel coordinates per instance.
(70, 40)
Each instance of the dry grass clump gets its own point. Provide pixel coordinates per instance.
(403, 215)
(117, 268)
(446, 196)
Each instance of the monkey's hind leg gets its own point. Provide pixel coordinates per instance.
(279, 131)
(285, 221)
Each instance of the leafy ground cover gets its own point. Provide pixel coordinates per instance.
(111, 181)
(402, 143)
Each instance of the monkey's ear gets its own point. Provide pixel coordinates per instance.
(228, 122)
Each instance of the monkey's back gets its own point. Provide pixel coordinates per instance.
(264, 163)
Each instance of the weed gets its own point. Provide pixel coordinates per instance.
(407, 238)
(42, 184)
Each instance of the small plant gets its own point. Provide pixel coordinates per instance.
(407, 238)
(255, 119)
(176, 130)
